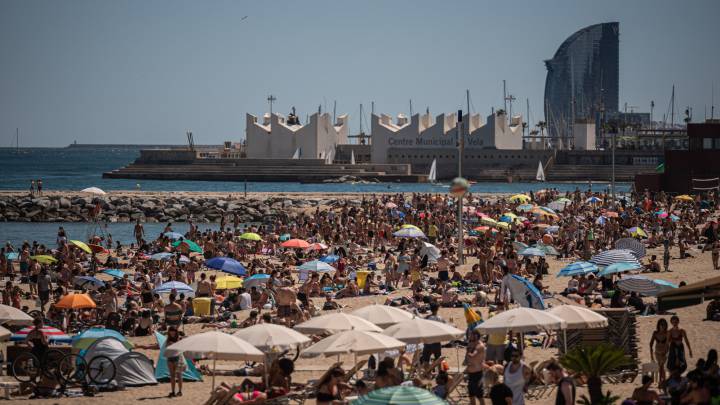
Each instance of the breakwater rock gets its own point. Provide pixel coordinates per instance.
(169, 207)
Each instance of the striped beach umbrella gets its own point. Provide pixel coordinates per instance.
(256, 280)
(316, 265)
(531, 251)
(633, 245)
(577, 269)
(611, 256)
(166, 288)
(399, 395)
(619, 268)
(53, 334)
(644, 285)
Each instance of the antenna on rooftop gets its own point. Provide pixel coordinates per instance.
(190, 139)
(271, 99)
(411, 107)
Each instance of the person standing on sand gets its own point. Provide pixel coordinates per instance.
(659, 347)
(565, 385)
(517, 377)
(139, 232)
(676, 353)
(475, 366)
(176, 364)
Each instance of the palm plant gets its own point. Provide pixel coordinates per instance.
(607, 399)
(594, 362)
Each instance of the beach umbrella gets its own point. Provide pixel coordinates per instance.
(552, 229)
(531, 251)
(187, 244)
(644, 285)
(503, 225)
(97, 249)
(256, 280)
(578, 317)
(390, 205)
(269, 336)
(637, 232)
(633, 245)
(674, 218)
(601, 220)
(505, 219)
(5, 334)
(12, 255)
(228, 283)
(521, 198)
(166, 288)
(409, 233)
(44, 259)
(611, 256)
(558, 206)
(174, 235)
(316, 265)
(250, 236)
(75, 301)
(611, 214)
(284, 237)
(433, 252)
(519, 245)
(184, 259)
(577, 269)
(162, 256)
(620, 267)
(93, 190)
(419, 330)
(406, 226)
(226, 265)
(524, 292)
(330, 258)
(684, 197)
(114, 273)
(593, 200)
(84, 339)
(81, 245)
(295, 243)
(488, 221)
(399, 394)
(353, 341)
(382, 315)
(547, 249)
(215, 345)
(485, 228)
(563, 200)
(88, 282)
(317, 246)
(54, 335)
(13, 316)
(521, 320)
(524, 207)
(335, 322)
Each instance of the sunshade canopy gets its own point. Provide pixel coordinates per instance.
(419, 330)
(336, 322)
(382, 315)
(521, 320)
(353, 341)
(578, 317)
(215, 345)
(268, 336)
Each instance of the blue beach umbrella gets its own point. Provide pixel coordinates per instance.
(620, 267)
(525, 207)
(316, 265)
(330, 258)
(284, 237)
(611, 256)
(399, 395)
(532, 251)
(577, 269)
(525, 293)
(166, 288)
(644, 285)
(174, 235)
(593, 200)
(161, 256)
(519, 245)
(547, 249)
(88, 282)
(11, 255)
(256, 280)
(115, 273)
(227, 265)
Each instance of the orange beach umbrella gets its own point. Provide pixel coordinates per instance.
(75, 301)
(295, 243)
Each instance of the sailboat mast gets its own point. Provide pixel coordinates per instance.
(17, 140)
(361, 118)
(672, 108)
(467, 96)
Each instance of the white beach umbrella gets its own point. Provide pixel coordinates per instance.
(266, 336)
(336, 322)
(93, 190)
(432, 251)
(521, 320)
(419, 330)
(216, 346)
(382, 315)
(353, 341)
(13, 316)
(4, 334)
(577, 317)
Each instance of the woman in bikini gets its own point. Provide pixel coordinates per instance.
(676, 352)
(330, 387)
(659, 346)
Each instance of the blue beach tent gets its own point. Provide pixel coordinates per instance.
(162, 372)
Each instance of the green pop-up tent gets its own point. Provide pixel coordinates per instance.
(162, 372)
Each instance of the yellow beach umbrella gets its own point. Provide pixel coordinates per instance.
(228, 283)
(406, 226)
(82, 245)
(250, 236)
(44, 259)
(502, 225)
(488, 221)
(684, 197)
(523, 198)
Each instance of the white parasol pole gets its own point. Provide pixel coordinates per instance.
(565, 339)
(213, 376)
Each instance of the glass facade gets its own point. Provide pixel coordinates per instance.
(582, 77)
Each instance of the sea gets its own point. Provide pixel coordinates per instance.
(76, 168)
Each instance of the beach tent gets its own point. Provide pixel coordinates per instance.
(162, 372)
(524, 292)
(691, 294)
(132, 369)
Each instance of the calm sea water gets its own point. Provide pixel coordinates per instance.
(78, 168)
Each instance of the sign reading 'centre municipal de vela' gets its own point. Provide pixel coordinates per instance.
(444, 142)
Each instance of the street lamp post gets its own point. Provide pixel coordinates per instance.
(461, 150)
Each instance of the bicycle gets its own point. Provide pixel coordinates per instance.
(65, 368)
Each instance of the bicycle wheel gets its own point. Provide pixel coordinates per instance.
(73, 369)
(51, 365)
(26, 367)
(101, 370)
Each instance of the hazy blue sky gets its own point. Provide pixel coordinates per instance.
(144, 71)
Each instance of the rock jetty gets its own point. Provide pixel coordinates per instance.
(175, 207)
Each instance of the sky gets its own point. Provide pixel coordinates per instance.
(134, 71)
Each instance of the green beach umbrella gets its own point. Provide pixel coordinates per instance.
(398, 395)
(44, 259)
(250, 236)
(192, 246)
